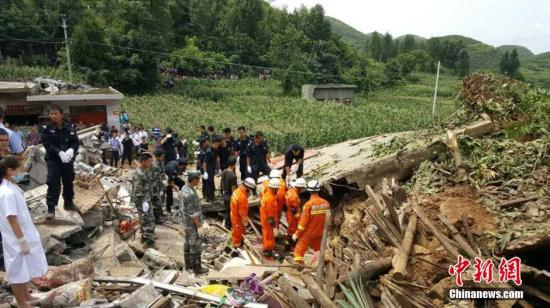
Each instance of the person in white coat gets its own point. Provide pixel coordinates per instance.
(24, 256)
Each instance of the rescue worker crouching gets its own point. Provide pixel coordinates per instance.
(239, 211)
(269, 217)
(193, 224)
(312, 223)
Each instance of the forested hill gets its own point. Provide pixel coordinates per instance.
(136, 46)
(482, 56)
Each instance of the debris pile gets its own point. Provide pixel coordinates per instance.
(405, 207)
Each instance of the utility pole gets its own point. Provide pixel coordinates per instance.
(435, 92)
(64, 25)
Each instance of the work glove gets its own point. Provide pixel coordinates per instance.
(169, 136)
(70, 153)
(294, 237)
(275, 232)
(195, 142)
(25, 249)
(146, 207)
(249, 169)
(205, 176)
(64, 157)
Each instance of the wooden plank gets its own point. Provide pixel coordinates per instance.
(445, 241)
(400, 263)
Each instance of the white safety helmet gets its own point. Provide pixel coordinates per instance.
(274, 183)
(262, 178)
(313, 186)
(250, 183)
(275, 174)
(300, 183)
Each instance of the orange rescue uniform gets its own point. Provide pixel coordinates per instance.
(292, 209)
(310, 228)
(269, 219)
(281, 197)
(239, 215)
(264, 188)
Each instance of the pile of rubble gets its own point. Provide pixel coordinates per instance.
(405, 207)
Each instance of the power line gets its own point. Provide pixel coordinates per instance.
(10, 38)
(204, 60)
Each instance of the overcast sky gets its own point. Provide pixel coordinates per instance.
(496, 22)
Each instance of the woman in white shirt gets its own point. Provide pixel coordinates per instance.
(24, 257)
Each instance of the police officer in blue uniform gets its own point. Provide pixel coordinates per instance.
(241, 144)
(258, 157)
(61, 143)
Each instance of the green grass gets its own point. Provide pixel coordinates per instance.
(260, 105)
(14, 72)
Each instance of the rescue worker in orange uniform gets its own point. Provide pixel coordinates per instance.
(293, 205)
(312, 223)
(281, 192)
(269, 218)
(239, 210)
(263, 185)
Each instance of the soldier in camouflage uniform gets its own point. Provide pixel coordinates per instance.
(142, 198)
(157, 178)
(193, 223)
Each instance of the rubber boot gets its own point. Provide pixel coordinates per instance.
(69, 206)
(198, 269)
(188, 260)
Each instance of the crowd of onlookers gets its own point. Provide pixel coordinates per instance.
(126, 142)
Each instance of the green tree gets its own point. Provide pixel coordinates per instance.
(462, 66)
(313, 23)
(392, 73)
(509, 64)
(90, 52)
(375, 46)
(408, 45)
(388, 48)
(504, 63)
(406, 63)
(286, 52)
(366, 73)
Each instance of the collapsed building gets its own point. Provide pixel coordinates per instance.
(405, 206)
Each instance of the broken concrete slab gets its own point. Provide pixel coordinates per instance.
(125, 271)
(103, 250)
(165, 276)
(156, 259)
(54, 245)
(187, 279)
(141, 297)
(124, 253)
(61, 232)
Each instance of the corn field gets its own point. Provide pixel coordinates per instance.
(284, 119)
